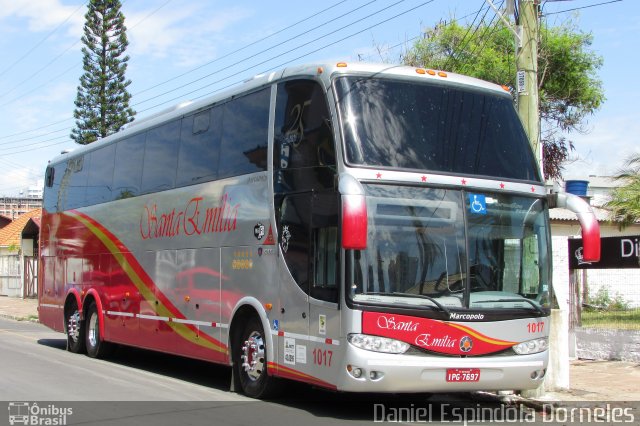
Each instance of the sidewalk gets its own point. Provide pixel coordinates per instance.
(600, 380)
(19, 309)
(590, 380)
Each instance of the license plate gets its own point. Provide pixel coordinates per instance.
(463, 374)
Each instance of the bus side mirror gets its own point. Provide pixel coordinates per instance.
(354, 213)
(587, 219)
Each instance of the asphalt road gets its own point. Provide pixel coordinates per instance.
(143, 387)
(39, 377)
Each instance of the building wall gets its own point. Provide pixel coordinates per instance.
(14, 207)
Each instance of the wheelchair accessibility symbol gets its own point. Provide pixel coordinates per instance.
(477, 204)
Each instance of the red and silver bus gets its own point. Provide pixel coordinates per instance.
(365, 228)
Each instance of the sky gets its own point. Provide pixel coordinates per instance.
(187, 49)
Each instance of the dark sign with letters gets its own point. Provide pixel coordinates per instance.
(617, 253)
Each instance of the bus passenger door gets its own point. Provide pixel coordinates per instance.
(294, 242)
(310, 321)
(324, 315)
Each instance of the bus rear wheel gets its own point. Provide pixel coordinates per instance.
(251, 363)
(96, 347)
(75, 328)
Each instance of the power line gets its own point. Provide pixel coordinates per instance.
(39, 143)
(22, 151)
(66, 129)
(17, 61)
(181, 75)
(422, 34)
(493, 26)
(287, 52)
(61, 55)
(246, 58)
(35, 129)
(243, 48)
(51, 80)
(453, 56)
(582, 7)
(328, 45)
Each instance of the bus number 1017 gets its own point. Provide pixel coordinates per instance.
(322, 357)
(535, 327)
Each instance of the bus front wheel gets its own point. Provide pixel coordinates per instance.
(251, 363)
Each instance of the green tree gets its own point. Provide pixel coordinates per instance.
(568, 84)
(102, 102)
(625, 200)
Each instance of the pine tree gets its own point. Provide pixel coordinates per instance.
(102, 103)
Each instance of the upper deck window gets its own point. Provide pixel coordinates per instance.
(424, 126)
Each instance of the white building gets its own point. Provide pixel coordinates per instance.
(564, 225)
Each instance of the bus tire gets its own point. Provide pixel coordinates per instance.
(250, 363)
(74, 327)
(96, 347)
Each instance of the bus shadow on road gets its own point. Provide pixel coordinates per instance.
(299, 397)
(190, 370)
(54, 343)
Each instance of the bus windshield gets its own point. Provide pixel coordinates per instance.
(449, 248)
(404, 124)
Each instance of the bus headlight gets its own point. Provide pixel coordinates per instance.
(378, 344)
(532, 346)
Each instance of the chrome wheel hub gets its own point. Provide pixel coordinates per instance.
(73, 326)
(92, 330)
(253, 356)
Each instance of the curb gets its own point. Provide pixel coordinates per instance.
(21, 319)
(535, 404)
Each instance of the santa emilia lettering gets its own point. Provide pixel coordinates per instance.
(390, 323)
(425, 340)
(196, 217)
(431, 334)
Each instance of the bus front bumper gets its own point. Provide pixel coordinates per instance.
(381, 372)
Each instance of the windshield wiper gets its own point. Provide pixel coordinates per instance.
(419, 296)
(532, 303)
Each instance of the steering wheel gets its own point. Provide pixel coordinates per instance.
(456, 287)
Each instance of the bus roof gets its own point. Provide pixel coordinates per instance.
(320, 70)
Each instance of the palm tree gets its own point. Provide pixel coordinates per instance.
(625, 201)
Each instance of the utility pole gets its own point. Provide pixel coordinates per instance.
(527, 78)
(526, 35)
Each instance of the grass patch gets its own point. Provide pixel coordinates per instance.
(621, 320)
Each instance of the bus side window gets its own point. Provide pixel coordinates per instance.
(199, 147)
(303, 131)
(127, 172)
(101, 175)
(52, 200)
(325, 250)
(74, 183)
(295, 216)
(309, 242)
(245, 130)
(161, 157)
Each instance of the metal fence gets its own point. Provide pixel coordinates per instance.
(605, 299)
